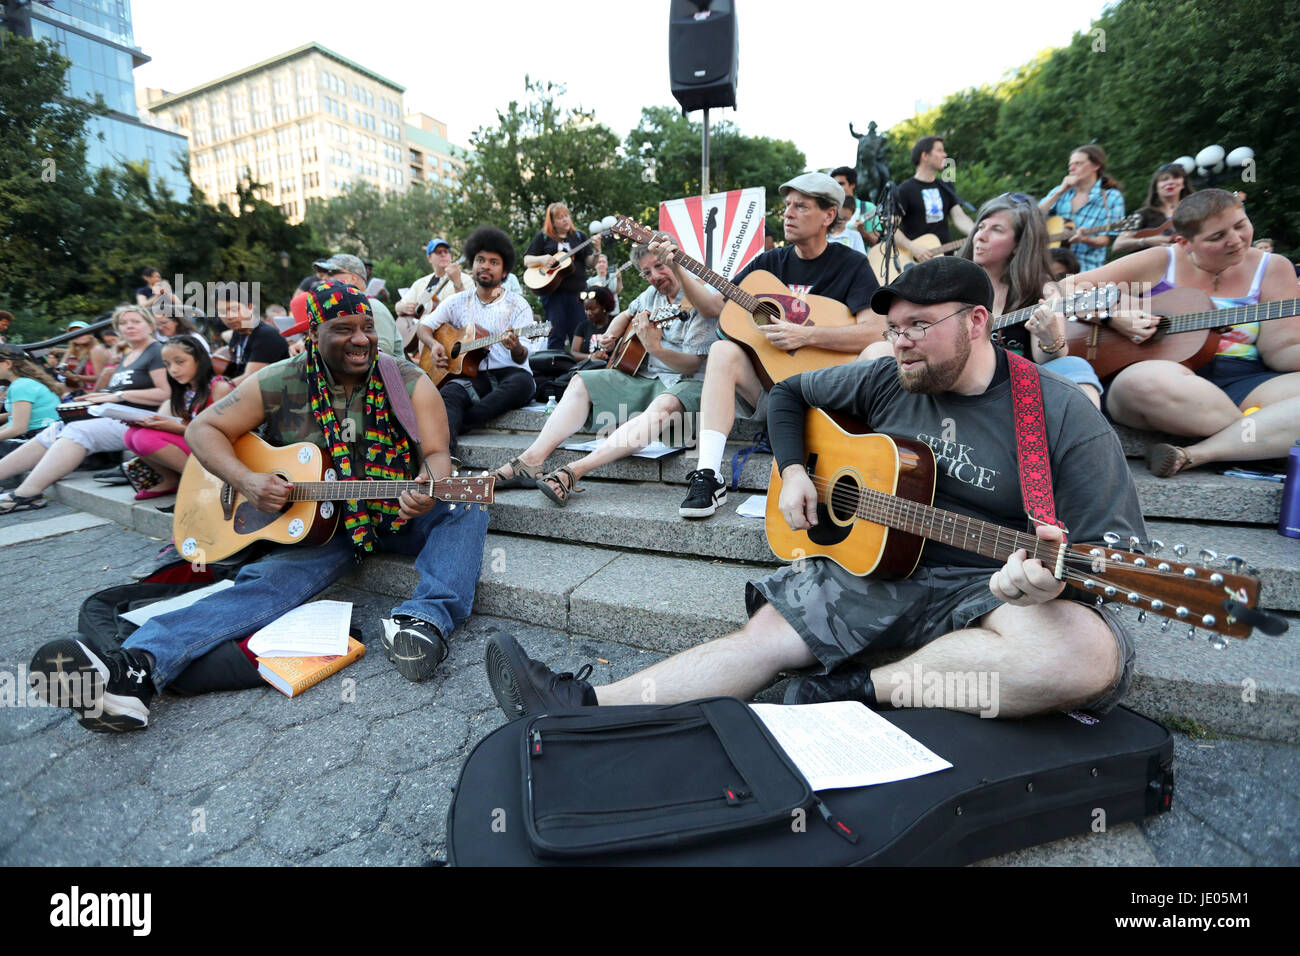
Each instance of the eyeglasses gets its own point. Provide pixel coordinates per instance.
(917, 332)
(1018, 197)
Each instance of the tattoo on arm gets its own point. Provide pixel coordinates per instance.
(220, 407)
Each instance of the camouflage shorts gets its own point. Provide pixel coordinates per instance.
(840, 615)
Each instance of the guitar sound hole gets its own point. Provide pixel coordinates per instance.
(766, 313)
(843, 499)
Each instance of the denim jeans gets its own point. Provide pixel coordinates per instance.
(448, 549)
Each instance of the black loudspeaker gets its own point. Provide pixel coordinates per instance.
(703, 53)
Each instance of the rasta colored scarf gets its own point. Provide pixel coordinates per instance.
(386, 450)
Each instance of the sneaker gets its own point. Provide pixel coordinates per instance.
(850, 682)
(705, 493)
(110, 690)
(414, 646)
(525, 687)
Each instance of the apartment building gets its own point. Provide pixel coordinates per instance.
(432, 159)
(303, 124)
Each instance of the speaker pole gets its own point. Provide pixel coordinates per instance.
(704, 162)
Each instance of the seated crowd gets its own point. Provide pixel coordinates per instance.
(388, 396)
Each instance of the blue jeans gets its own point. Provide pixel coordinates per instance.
(448, 549)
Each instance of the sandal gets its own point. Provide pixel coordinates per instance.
(1165, 461)
(522, 475)
(562, 491)
(11, 502)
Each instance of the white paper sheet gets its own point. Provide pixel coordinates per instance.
(318, 629)
(142, 614)
(846, 744)
(755, 506)
(376, 286)
(653, 450)
(125, 413)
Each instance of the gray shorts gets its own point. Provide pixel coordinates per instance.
(840, 615)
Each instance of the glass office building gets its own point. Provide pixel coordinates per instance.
(96, 36)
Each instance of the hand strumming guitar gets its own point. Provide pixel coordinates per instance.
(786, 335)
(269, 493)
(798, 500)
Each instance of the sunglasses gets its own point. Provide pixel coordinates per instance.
(1018, 197)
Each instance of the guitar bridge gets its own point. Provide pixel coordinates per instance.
(227, 501)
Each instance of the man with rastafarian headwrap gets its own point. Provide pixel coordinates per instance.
(332, 395)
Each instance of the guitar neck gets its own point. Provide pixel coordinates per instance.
(959, 531)
(491, 340)
(728, 289)
(447, 489)
(1240, 315)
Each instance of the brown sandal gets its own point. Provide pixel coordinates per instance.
(562, 491)
(1165, 461)
(522, 475)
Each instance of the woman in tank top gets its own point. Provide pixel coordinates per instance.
(1257, 365)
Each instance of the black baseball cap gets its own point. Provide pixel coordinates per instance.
(941, 279)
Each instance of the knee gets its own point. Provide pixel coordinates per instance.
(726, 357)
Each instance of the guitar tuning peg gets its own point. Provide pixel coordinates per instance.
(1155, 546)
(1180, 549)
(1217, 642)
(1133, 543)
(451, 506)
(1164, 625)
(455, 474)
(1116, 608)
(1207, 556)
(1142, 616)
(1191, 633)
(1111, 538)
(1235, 562)
(482, 507)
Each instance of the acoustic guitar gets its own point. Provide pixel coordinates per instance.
(760, 300)
(213, 521)
(628, 353)
(544, 281)
(466, 348)
(875, 512)
(1185, 334)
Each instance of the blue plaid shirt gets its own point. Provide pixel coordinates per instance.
(1097, 211)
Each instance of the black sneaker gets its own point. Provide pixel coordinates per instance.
(110, 690)
(525, 687)
(705, 493)
(849, 682)
(416, 648)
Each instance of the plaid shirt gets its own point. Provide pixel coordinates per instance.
(1097, 211)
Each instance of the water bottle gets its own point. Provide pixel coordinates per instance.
(1289, 521)
(550, 405)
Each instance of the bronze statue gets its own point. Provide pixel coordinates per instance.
(873, 173)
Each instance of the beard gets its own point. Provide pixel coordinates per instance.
(484, 281)
(932, 378)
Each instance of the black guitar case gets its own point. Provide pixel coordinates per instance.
(627, 800)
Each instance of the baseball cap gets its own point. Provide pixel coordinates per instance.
(342, 263)
(940, 279)
(434, 244)
(78, 324)
(817, 185)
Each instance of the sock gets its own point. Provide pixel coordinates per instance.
(711, 446)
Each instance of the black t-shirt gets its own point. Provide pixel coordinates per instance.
(587, 331)
(137, 375)
(575, 280)
(839, 273)
(145, 291)
(264, 344)
(1149, 218)
(924, 208)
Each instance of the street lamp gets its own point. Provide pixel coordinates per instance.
(1212, 163)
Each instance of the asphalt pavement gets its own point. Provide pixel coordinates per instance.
(362, 773)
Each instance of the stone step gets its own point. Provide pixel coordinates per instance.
(1201, 495)
(642, 516)
(667, 604)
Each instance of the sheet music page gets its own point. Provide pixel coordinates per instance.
(142, 614)
(125, 413)
(755, 506)
(846, 744)
(318, 629)
(655, 449)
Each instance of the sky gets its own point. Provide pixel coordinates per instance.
(843, 61)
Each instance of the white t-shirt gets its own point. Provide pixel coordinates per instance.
(507, 311)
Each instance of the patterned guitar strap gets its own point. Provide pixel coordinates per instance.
(1031, 441)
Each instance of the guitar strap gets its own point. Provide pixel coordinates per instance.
(1031, 440)
(397, 397)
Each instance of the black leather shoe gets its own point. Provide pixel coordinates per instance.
(525, 687)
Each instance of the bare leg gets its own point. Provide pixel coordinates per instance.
(566, 418)
(633, 435)
(62, 459)
(1164, 396)
(1094, 396)
(738, 665)
(169, 462)
(727, 374)
(1053, 656)
(21, 459)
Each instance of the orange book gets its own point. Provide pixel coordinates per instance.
(293, 675)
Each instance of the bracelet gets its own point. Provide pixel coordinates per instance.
(1055, 346)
